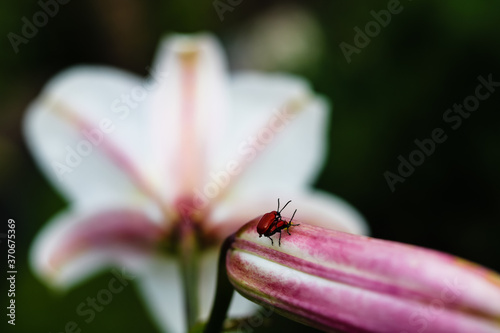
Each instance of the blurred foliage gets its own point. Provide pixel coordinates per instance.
(393, 92)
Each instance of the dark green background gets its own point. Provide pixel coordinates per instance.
(395, 91)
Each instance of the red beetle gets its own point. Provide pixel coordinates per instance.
(272, 223)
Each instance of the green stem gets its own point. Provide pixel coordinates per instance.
(223, 294)
(189, 269)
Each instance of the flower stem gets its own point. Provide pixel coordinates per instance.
(223, 294)
(189, 269)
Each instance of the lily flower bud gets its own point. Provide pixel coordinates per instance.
(334, 281)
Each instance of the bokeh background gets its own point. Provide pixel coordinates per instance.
(393, 92)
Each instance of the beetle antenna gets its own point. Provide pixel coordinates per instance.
(284, 206)
(278, 204)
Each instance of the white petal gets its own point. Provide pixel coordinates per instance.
(318, 207)
(207, 281)
(101, 166)
(240, 306)
(161, 287)
(75, 245)
(188, 108)
(276, 137)
(329, 211)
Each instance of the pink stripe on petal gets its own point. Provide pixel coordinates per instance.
(105, 230)
(115, 154)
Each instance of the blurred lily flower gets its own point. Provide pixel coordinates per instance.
(333, 280)
(286, 37)
(158, 171)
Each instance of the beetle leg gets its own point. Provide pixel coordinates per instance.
(279, 242)
(272, 244)
(290, 222)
